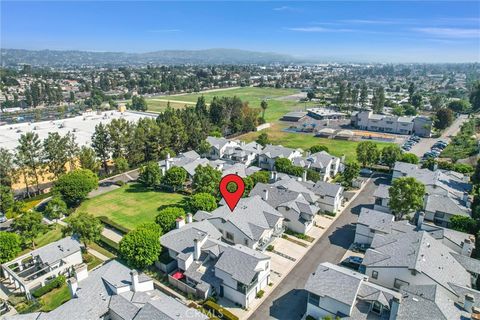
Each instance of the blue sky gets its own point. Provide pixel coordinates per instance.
(427, 31)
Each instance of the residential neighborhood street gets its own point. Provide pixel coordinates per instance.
(288, 301)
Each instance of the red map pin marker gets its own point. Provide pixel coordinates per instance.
(232, 198)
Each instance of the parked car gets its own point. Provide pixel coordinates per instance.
(3, 219)
(366, 172)
(352, 262)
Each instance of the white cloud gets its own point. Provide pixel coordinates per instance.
(450, 32)
(286, 8)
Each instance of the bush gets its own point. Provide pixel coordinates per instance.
(329, 213)
(309, 317)
(260, 294)
(217, 309)
(270, 248)
(119, 183)
(166, 218)
(55, 283)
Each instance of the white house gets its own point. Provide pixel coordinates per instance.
(36, 268)
(219, 146)
(253, 223)
(324, 163)
(266, 159)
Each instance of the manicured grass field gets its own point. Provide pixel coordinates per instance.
(305, 141)
(253, 95)
(55, 298)
(130, 205)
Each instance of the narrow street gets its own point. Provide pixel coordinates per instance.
(288, 301)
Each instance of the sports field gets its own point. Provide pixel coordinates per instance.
(130, 205)
(253, 95)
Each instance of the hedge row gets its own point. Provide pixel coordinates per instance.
(113, 224)
(219, 310)
(55, 283)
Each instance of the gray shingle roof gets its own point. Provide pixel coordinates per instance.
(419, 251)
(123, 307)
(240, 262)
(57, 250)
(470, 264)
(181, 240)
(277, 151)
(447, 204)
(376, 220)
(251, 215)
(335, 282)
(382, 191)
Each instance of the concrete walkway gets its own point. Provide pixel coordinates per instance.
(112, 235)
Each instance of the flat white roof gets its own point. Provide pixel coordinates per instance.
(326, 112)
(82, 127)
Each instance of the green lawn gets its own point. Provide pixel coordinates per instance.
(53, 233)
(276, 108)
(55, 298)
(130, 205)
(102, 250)
(32, 202)
(305, 141)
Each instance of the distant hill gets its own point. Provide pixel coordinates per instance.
(12, 57)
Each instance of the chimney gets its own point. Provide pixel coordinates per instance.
(81, 272)
(420, 218)
(468, 302)
(189, 218)
(435, 166)
(72, 287)
(394, 307)
(197, 249)
(304, 176)
(180, 222)
(265, 195)
(467, 247)
(134, 280)
(308, 154)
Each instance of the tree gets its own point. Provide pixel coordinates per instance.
(29, 226)
(75, 186)
(87, 227)
(417, 100)
(363, 95)
(141, 247)
(318, 148)
(55, 208)
(263, 139)
(55, 153)
(202, 201)
(121, 164)
(411, 90)
(206, 179)
(28, 157)
(460, 106)
(6, 167)
(102, 144)
(378, 100)
(150, 175)
(264, 106)
(6, 199)
(9, 246)
(175, 178)
(475, 96)
(463, 224)
(282, 165)
(139, 103)
(201, 106)
(437, 101)
(310, 95)
(351, 172)
(409, 110)
(260, 176)
(367, 153)
(391, 154)
(204, 148)
(166, 217)
(87, 159)
(443, 118)
(409, 158)
(406, 196)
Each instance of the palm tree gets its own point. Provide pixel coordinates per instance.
(264, 106)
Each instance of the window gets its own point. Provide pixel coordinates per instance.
(375, 274)
(399, 283)
(313, 299)
(229, 236)
(440, 215)
(245, 242)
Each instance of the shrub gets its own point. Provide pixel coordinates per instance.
(260, 294)
(309, 317)
(331, 214)
(55, 283)
(213, 307)
(75, 185)
(166, 218)
(270, 248)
